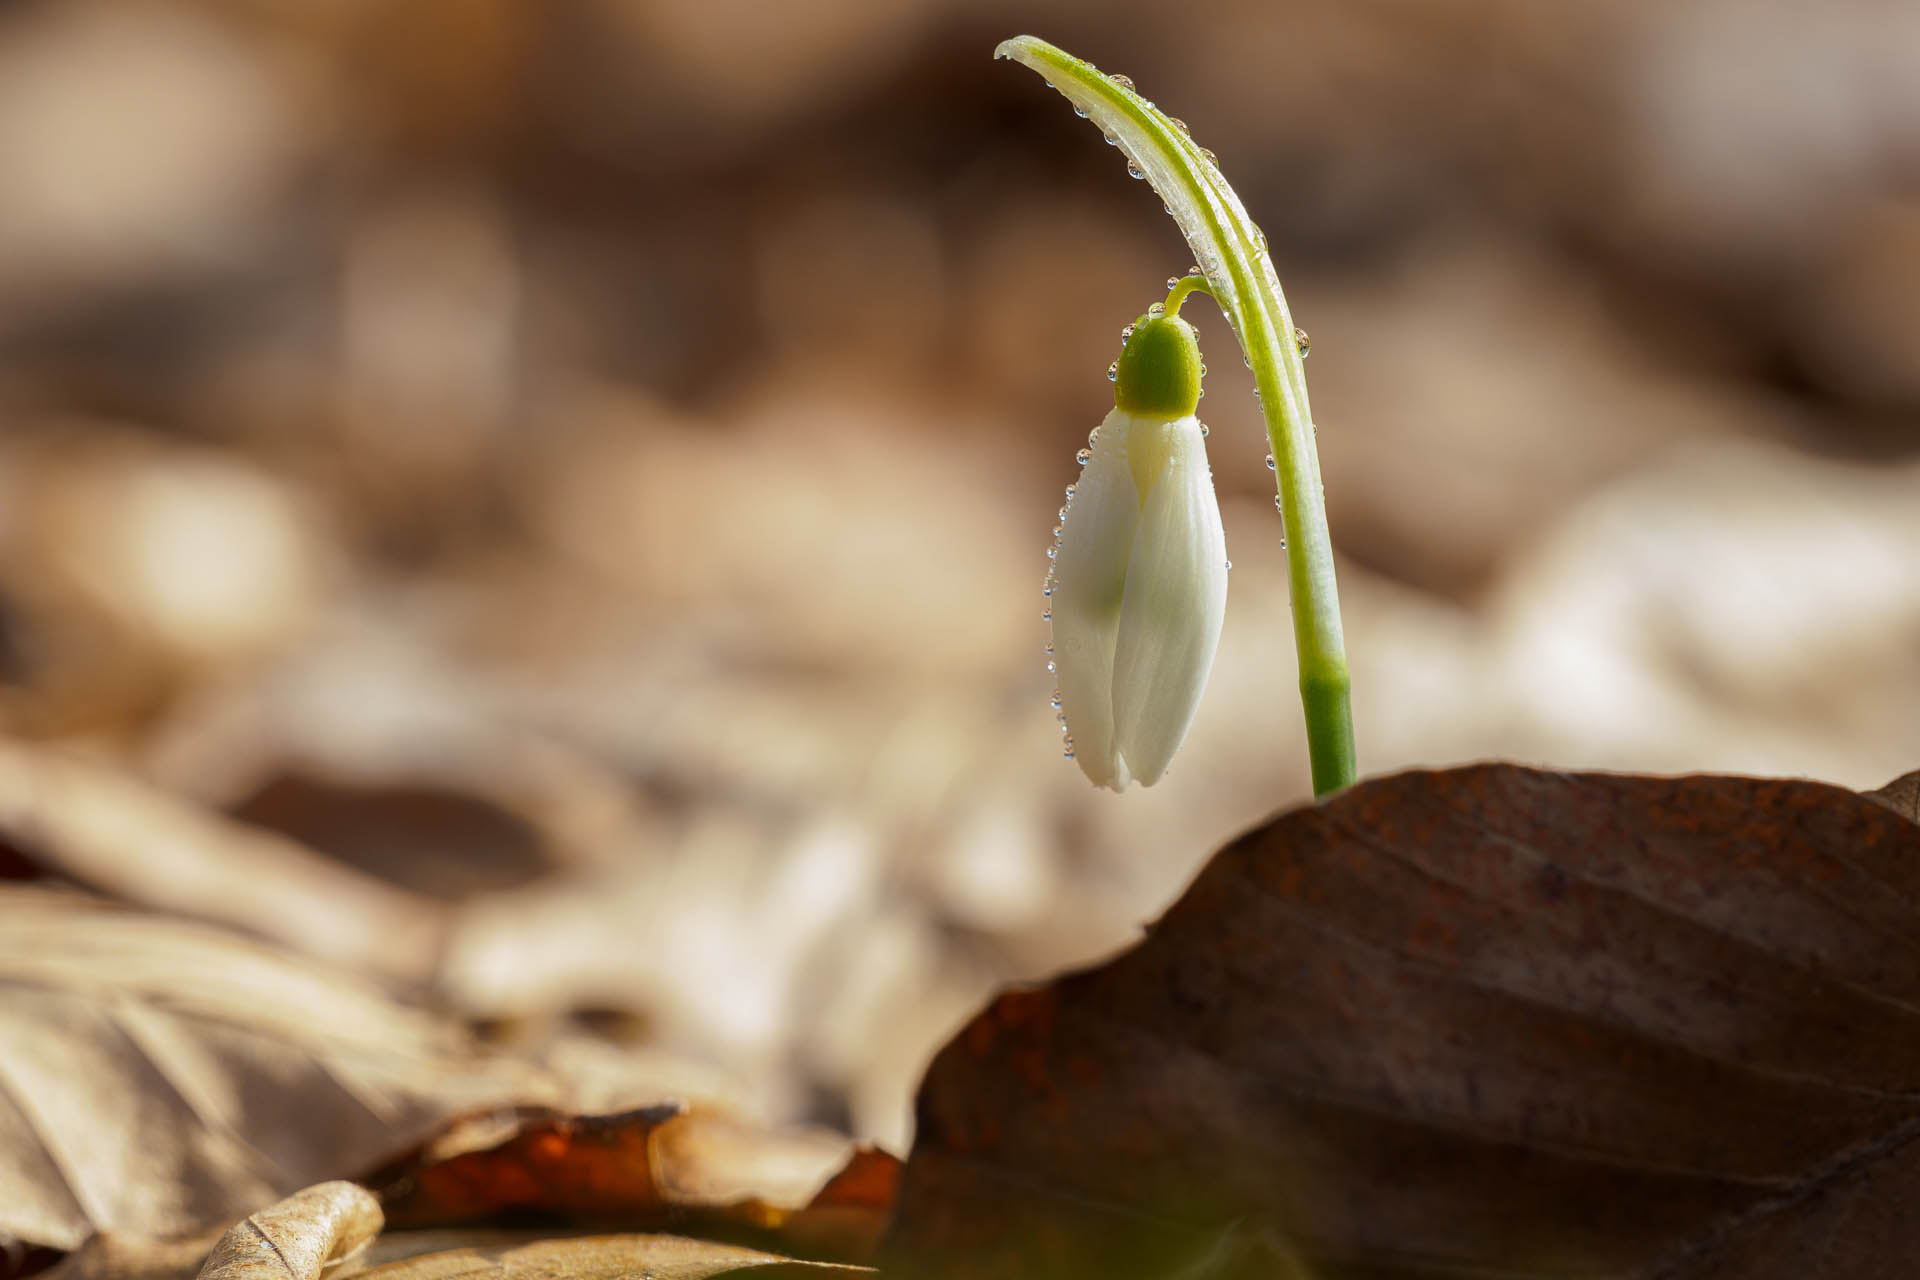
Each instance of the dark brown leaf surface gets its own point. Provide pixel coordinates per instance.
(1484, 1022)
(158, 1077)
(1902, 795)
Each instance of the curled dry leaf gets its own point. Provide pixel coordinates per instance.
(158, 1078)
(1490, 1021)
(298, 1238)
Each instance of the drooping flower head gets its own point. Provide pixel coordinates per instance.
(1139, 586)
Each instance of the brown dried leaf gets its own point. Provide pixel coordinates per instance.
(159, 1077)
(1491, 1021)
(656, 1167)
(1902, 795)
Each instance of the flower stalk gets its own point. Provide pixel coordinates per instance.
(1231, 253)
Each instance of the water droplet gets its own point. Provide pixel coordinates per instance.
(1113, 372)
(1229, 566)
(1279, 507)
(1247, 361)
(1125, 82)
(1126, 331)
(1050, 651)
(1133, 170)
(1063, 515)
(1256, 393)
(1047, 616)
(1083, 457)
(1203, 369)
(1112, 141)
(1201, 394)
(1093, 436)
(1271, 464)
(1080, 111)
(1193, 269)
(1047, 590)
(1056, 699)
(1209, 157)
(1053, 552)
(1167, 207)
(1157, 309)
(1067, 754)
(1205, 431)
(1179, 124)
(1069, 491)
(1057, 529)
(1050, 666)
(1173, 282)
(1301, 342)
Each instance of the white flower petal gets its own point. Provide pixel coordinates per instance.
(1096, 539)
(1175, 600)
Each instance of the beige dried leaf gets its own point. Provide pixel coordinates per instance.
(159, 1077)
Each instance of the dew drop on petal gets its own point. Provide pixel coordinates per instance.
(1080, 111)
(1179, 124)
(1271, 464)
(1173, 282)
(1070, 491)
(1301, 342)
(1047, 616)
(1112, 141)
(1157, 309)
(1205, 431)
(1209, 157)
(1279, 507)
(1126, 331)
(1125, 82)
(1083, 457)
(1229, 565)
(1133, 170)
(1113, 372)
(1093, 436)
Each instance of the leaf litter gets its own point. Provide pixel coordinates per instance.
(1488, 1021)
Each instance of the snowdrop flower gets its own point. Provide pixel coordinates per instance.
(1139, 587)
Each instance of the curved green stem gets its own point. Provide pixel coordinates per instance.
(1181, 290)
(1232, 256)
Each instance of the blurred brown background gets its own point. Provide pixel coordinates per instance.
(581, 469)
